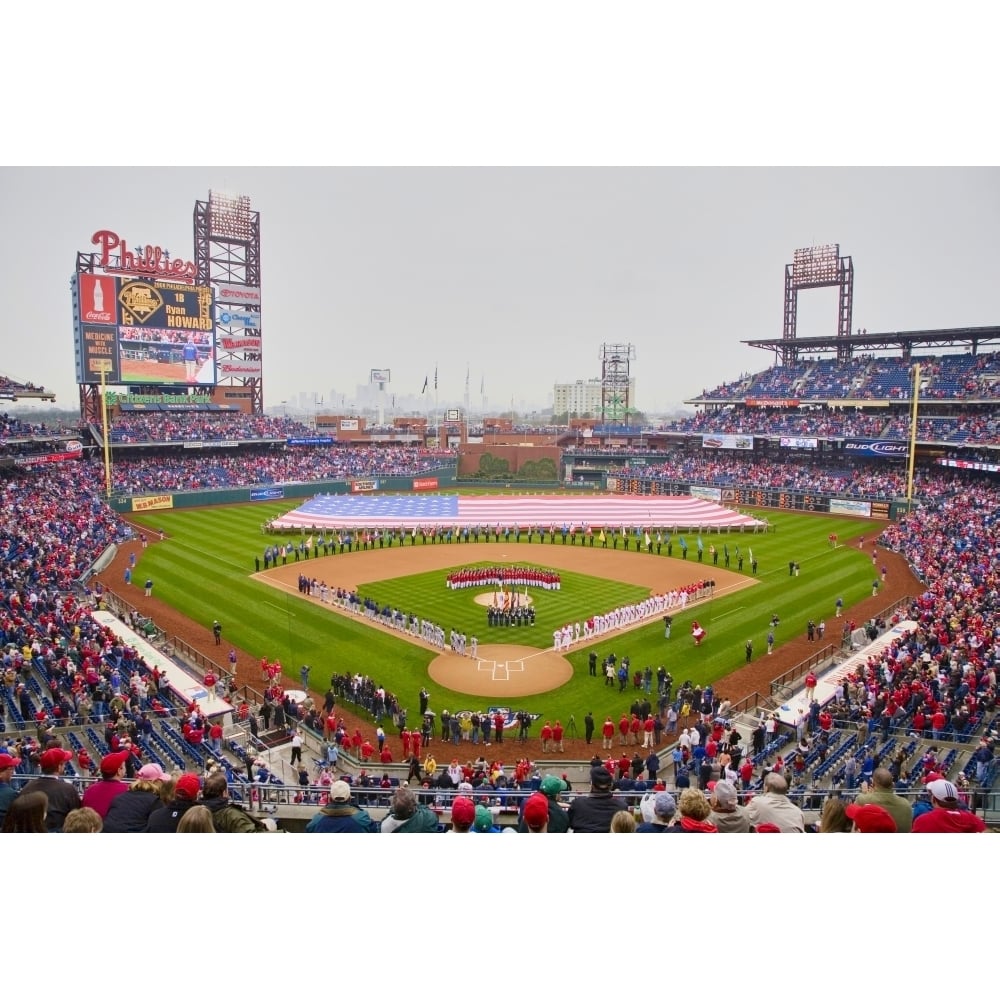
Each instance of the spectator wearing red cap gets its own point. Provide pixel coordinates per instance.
(7, 791)
(536, 813)
(101, 794)
(463, 814)
(166, 818)
(63, 797)
(870, 818)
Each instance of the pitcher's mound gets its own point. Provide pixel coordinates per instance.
(502, 671)
(486, 600)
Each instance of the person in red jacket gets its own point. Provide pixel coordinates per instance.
(635, 727)
(405, 737)
(557, 737)
(608, 733)
(546, 737)
(648, 728)
(623, 727)
(498, 721)
(810, 686)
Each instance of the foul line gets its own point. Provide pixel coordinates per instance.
(278, 607)
(723, 615)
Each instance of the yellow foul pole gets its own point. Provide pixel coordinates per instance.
(913, 437)
(104, 420)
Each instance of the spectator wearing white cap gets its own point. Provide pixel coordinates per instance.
(947, 814)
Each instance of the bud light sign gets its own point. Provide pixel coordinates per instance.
(268, 493)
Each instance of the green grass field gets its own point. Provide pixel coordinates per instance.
(203, 569)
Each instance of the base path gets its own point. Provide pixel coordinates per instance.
(502, 671)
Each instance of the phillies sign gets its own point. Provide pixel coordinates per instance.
(149, 262)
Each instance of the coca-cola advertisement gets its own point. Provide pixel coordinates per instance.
(98, 297)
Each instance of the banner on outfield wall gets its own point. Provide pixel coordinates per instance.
(349, 424)
(881, 509)
(876, 449)
(364, 485)
(707, 493)
(296, 442)
(799, 442)
(268, 493)
(164, 502)
(741, 442)
(425, 484)
(852, 508)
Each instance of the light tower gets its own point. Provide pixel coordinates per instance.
(615, 382)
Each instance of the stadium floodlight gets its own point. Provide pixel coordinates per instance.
(230, 217)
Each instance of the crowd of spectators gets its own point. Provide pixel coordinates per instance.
(251, 467)
(166, 427)
(948, 376)
(859, 480)
(10, 387)
(15, 429)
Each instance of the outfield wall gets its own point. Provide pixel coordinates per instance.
(439, 479)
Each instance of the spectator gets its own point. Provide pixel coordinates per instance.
(773, 806)
(593, 813)
(406, 815)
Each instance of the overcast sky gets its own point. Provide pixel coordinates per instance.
(518, 276)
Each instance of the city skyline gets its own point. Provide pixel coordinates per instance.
(512, 278)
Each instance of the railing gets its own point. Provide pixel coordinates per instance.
(789, 677)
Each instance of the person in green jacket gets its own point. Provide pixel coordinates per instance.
(406, 815)
(227, 817)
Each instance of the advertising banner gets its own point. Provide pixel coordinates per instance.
(98, 352)
(229, 368)
(852, 508)
(876, 449)
(164, 502)
(740, 442)
(268, 493)
(427, 483)
(799, 442)
(707, 493)
(233, 295)
(297, 442)
(244, 320)
(348, 425)
(231, 343)
(964, 463)
(51, 456)
(98, 298)
(364, 485)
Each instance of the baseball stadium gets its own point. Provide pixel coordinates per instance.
(778, 615)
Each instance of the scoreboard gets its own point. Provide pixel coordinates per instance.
(135, 331)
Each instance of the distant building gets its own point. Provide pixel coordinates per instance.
(583, 396)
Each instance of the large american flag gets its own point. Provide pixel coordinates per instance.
(449, 511)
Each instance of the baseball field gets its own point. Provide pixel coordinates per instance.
(204, 569)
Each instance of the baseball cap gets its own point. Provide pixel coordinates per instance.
(484, 820)
(153, 772)
(187, 787)
(110, 763)
(664, 805)
(52, 758)
(725, 793)
(552, 786)
(462, 810)
(7, 761)
(870, 818)
(340, 791)
(536, 810)
(942, 790)
(768, 828)
(600, 777)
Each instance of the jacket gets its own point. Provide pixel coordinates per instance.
(771, 807)
(227, 817)
(423, 820)
(341, 817)
(166, 818)
(130, 811)
(592, 813)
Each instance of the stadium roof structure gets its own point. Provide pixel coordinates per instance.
(902, 340)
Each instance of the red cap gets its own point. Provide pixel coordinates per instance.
(7, 761)
(113, 761)
(51, 759)
(187, 787)
(536, 810)
(871, 818)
